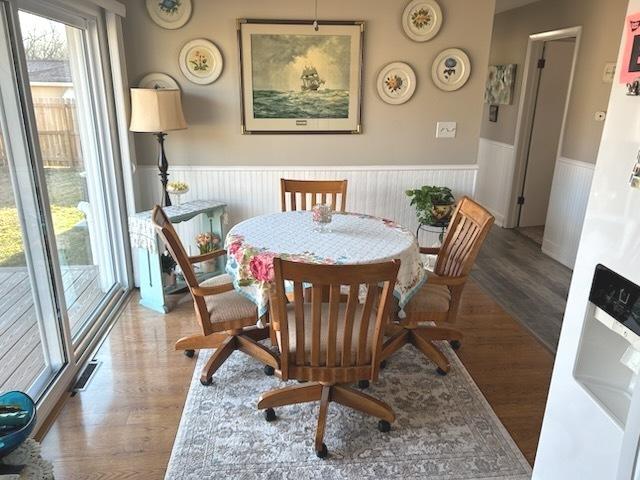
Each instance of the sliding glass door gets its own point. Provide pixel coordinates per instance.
(63, 256)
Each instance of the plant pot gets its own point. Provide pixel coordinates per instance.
(169, 279)
(208, 266)
(442, 213)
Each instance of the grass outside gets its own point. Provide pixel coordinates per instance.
(66, 189)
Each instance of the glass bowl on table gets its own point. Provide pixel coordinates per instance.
(322, 216)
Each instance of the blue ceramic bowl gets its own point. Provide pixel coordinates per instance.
(12, 439)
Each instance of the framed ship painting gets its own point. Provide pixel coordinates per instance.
(296, 79)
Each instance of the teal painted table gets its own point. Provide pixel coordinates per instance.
(154, 292)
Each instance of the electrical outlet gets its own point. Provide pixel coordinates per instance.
(446, 129)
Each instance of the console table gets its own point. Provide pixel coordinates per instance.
(154, 293)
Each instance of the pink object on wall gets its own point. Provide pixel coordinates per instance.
(630, 68)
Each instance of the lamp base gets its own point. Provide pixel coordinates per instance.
(163, 166)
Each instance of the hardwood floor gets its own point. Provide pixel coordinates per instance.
(123, 425)
(529, 285)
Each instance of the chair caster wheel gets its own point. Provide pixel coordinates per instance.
(206, 382)
(190, 353)
(363, 384)
(322, 453)
(270, 415)
(455, 344)
(383, 365)
(384, 426)
(269, 370)
(441, 372)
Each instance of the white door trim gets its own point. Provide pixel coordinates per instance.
(525, 110)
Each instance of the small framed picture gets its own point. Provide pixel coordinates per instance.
(493, 113)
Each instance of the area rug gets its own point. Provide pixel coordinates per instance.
(445, 429)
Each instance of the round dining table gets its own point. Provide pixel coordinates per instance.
(349, 239)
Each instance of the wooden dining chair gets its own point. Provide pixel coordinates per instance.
(313, 192)
(227, 320)
(439, 299)
(328, 342)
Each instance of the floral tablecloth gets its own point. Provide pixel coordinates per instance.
(352, 239)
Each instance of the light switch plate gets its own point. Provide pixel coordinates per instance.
(609, 72)
(446, 129)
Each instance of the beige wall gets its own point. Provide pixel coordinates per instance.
(601, 21)
(392, 134)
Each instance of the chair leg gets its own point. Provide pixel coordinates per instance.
(325, 398)
(362, 402)
(225, 349)
(440, 333)
(306, 392)
(430, 351)
(257, 351)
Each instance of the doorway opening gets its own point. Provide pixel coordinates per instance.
(548, 76)
(552, 79)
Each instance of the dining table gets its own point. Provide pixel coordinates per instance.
(349, 239)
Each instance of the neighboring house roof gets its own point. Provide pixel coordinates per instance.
(49, 71)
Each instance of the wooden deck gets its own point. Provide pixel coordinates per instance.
(21, 354)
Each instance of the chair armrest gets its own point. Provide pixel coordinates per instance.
(430, 250)
(207, 291)
(448, 281)
(207, 256)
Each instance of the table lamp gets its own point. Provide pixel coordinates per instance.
(157, 111)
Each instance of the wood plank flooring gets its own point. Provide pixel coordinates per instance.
(124, 424)
(21, 354)
(528, 284)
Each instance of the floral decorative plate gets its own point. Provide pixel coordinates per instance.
(396, 83)
(170, 14)
(422, 20)
(158, 80)
(201, 61)
(451, 69)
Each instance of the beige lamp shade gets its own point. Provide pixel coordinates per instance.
(156, 110)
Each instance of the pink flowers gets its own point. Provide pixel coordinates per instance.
(261, 267)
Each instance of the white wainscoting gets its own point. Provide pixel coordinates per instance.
(496, 162)
(251, 191)
(567, 207)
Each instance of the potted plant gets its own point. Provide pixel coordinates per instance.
(168, 265)
(207, 242)
(434, 205)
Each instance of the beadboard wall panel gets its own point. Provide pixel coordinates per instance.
(252, 191)
(567, 207)
(496, 163)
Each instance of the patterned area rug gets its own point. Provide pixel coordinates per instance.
(444, 429)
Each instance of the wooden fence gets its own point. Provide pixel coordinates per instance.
(57, 124)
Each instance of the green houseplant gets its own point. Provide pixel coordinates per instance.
(434, 205)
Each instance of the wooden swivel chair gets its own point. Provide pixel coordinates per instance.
(317, 191)
(439, 298)
(227, 320)
(328, 343)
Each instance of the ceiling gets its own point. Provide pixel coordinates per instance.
(504, 5)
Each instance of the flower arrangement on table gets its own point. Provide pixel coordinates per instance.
(207, 242)
(177, 188)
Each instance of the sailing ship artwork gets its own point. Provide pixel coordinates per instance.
(298, 79)
(301, 76)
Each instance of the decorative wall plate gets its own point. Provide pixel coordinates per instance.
(396, 83)
(451, 69)
(201, 61)
(158, 80)
(422, 20)
(170, 14)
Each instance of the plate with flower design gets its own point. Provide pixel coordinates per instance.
(451, 69)
(201, 61)
(396, 83)
(422, 20)
(170, 14)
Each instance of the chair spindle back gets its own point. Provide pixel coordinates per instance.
(305, 194)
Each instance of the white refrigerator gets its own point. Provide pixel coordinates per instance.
(591, 425)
